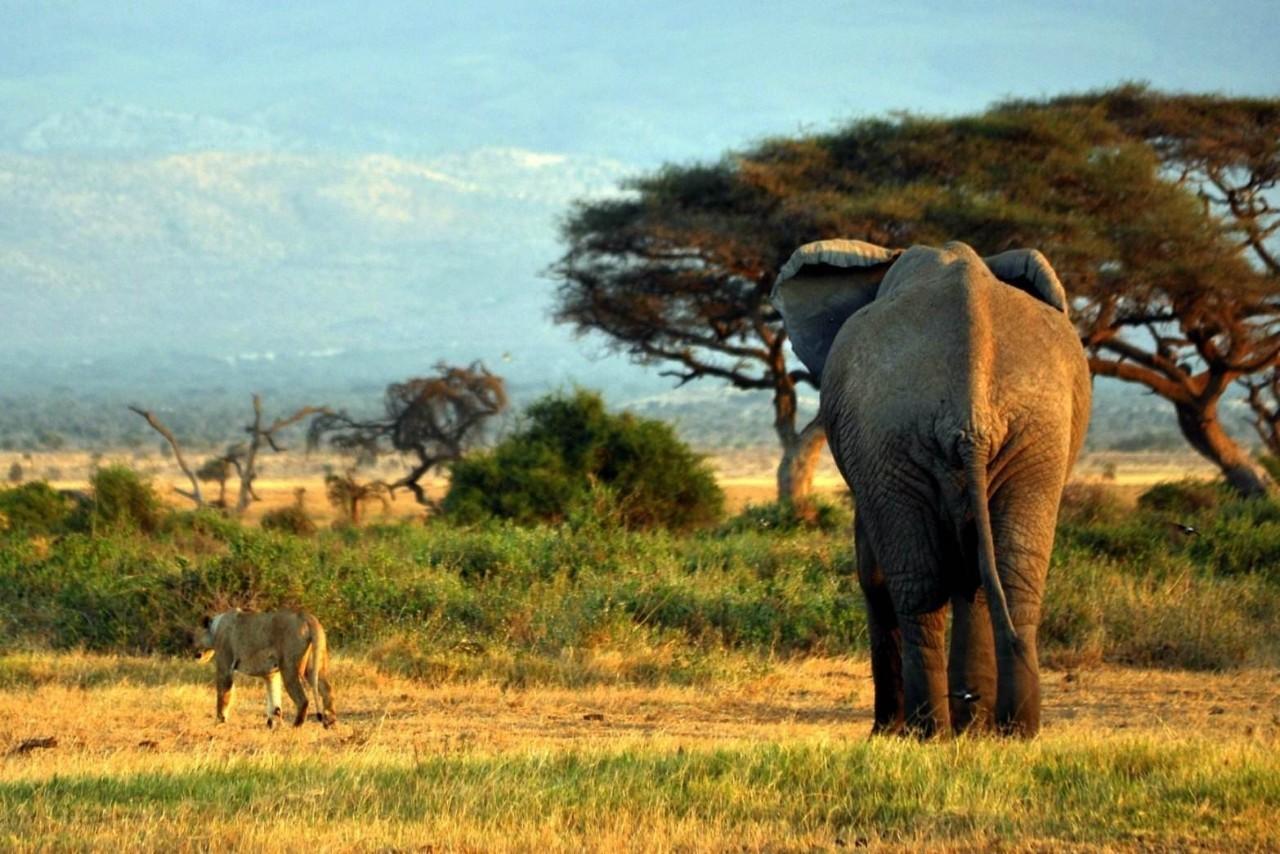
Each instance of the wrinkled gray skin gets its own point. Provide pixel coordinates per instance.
(955, 404)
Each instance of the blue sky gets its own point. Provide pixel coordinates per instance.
(640, 82)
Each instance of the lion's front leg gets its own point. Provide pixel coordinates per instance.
(274, 687)
(226, 693)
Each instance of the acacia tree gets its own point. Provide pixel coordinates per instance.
(1210, 326)
(346, 494)
(1150, 235)
(680, 273)
(435, 419)
(217, 470)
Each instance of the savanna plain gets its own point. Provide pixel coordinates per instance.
(584, 687)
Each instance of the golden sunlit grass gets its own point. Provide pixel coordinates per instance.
(774, 760)
(747, 477)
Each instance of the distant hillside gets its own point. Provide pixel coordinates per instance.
(231, 252)
(206, 400)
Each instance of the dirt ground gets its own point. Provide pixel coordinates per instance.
(813, 698)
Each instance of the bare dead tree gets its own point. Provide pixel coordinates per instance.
(246, 462)
(159, 427)
(435, 419)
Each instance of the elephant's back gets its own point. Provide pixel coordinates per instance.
(1040, 374)
(943, 361)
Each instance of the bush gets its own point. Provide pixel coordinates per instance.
(124, 499)
(1090, 504)
(291, 520)
(35, 509)
(568, 450)
(541, 604)
(198, 529)
(1185, 497)
(780, 517)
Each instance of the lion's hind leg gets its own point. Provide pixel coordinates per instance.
(293, 684)
(274, 713)
(328, 717)
(324, 699)
(317, 665)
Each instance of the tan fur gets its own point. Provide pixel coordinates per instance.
(278, 646)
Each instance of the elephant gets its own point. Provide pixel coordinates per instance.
(955, 395)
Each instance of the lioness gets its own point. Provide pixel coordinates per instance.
(279, 646)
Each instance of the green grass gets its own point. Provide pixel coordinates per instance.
(538, 605)
(1131, 792)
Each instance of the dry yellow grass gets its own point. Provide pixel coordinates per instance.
(139, 763)
(747, 477)
(127, 712)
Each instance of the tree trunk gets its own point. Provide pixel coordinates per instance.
(800, 457)
(1203, 429)
(249, 471)
(800, 450)
(410, 480)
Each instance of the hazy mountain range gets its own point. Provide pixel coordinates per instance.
(159, 256)
(124, 230)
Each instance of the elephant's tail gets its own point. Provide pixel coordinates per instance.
(1001, 621)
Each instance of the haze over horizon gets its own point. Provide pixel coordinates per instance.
(235, 182)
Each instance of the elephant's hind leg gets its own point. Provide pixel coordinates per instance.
(971, 674)
(1024, 513)
(886, 640)
(924, 672)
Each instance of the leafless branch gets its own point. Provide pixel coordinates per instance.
(159, 427)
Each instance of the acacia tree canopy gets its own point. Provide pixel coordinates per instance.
(1153, 209)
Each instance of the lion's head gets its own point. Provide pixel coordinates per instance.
(202, 638)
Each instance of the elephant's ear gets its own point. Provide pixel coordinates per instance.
(1028, 270)
(820, 286)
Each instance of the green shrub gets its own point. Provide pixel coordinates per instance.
(1239, 544)
(570, 449)
(207, 523)
(124, 499)
(1134, 538)
(1090, 504)
(586, 603)
(1271, 463)
(35, 509)
(291, 520)
(781, 517)
(1183, 497)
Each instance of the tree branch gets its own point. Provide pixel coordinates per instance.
(159, 427)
